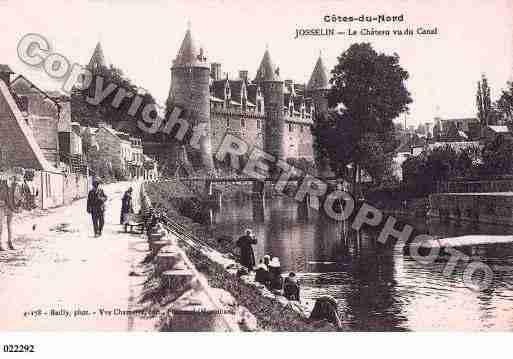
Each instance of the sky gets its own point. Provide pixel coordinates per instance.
(143, 37)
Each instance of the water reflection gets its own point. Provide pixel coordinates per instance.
(377, 287)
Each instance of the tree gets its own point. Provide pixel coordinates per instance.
(368, 90)
(504, 104)
(483, 102)
(497, 157)
(88, 114)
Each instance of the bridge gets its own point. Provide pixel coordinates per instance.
(258, 186)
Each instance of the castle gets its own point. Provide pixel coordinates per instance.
(270, 113)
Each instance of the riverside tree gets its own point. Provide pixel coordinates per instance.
(368, 91)
(504, 104)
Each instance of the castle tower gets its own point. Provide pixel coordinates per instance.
(268, 78)
(190, 91)
(318, 88)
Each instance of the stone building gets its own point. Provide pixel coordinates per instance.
(122, 151)
(268, 112)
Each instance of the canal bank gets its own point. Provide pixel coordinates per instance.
(377, 288)
(214, 258)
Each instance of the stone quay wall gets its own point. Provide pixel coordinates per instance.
(477, 186)
(494, 208)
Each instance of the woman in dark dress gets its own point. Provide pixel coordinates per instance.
(275, 279)
(247, 256)
(126, 206)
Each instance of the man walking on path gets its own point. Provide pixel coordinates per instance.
(96, 207)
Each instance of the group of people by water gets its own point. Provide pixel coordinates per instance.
(268, 271)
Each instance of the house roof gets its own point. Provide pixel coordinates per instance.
(5, 69)
(32, 86)
(29, 154)
(457, 145)
(319, 78)
(499, 129)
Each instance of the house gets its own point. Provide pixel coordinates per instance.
(136, 163)
(150, 168)
(494, 132)
(28, 124)
(457, 129)
(123, 151)
(42, 114)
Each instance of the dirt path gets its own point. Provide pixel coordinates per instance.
(60, 268)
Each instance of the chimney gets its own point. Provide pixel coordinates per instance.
(215, 71)
(5, 74)
(243, 75)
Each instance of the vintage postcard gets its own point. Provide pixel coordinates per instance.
(255, 166)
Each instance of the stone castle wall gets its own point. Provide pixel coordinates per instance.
(297, 140)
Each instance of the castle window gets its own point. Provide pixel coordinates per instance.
(259, 105)
(301, 128)
(242, 122)
(227, 122)
(302, 112)
(291, 127)
(258, 124)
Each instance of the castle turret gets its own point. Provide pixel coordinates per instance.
(97, 59)
(318, 88)
(268, 78)
(190, 92)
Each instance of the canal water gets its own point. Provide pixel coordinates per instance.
(378, 288)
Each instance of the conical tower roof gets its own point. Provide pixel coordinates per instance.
(189, 55)
(98, 58)
(319, 78)
(267, 71)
